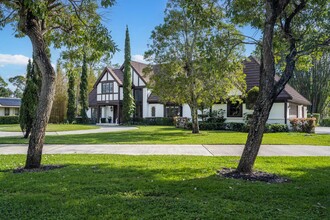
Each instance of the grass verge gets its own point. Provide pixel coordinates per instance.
(162, 187)
(50, 127)
(171, 135)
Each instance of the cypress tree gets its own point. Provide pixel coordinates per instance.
(128, 99)
(83, 91)
(71, 111)
(30, 99)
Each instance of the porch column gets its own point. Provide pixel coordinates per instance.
(118, 115)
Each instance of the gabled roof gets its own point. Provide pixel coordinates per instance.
(252, 71)
(10, 102)
(115, 73)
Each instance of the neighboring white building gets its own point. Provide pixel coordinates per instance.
(9, 106)
(105, 100)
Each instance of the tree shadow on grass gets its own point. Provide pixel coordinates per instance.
(103, 191)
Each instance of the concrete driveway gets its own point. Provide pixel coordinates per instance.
(197, 150)
(104, 129)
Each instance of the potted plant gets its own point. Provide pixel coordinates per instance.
(109, 119)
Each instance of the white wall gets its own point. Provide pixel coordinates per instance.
(145, 104)
(159, 110)
(11, 111)
(186, 112)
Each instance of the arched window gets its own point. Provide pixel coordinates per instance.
(153, 111)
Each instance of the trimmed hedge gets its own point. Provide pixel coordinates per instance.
(239, 127)
(9, 119)
(325, 122)
(152, 121)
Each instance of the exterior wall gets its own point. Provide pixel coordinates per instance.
(11, 111)
(276, 114)
(159, 110)
(136, 79)
(186, 112)
(111, 96)
(145, 105)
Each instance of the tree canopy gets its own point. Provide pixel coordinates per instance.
(197, 55)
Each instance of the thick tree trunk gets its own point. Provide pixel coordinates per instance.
(194, 118)
(31, 27)
(252, 146)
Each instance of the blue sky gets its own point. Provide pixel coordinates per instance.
(141, 17)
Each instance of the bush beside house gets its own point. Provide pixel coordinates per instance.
(303, 124)
(9, 119)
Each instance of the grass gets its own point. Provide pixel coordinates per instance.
(171, 135)
(162, 187)
(50, 127)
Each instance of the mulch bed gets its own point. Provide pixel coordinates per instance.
(43, 168)
(254, 176)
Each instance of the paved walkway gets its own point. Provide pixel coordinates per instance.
(198, 150)
(322, 130)
(89, 131)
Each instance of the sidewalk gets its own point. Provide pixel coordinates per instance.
(196, 150)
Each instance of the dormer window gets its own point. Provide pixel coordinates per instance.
(107, 87)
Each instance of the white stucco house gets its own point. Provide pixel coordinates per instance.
(9, 106)
(105, 100)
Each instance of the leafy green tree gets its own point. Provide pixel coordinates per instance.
(30, 98)
(314, 83)
(292, 30)
(71, 109)
(55, 22)
(19, 83)
(128, 99)
(197, 56)
(4, 91)
(83, 91)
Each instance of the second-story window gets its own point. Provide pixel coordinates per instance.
(107, 87)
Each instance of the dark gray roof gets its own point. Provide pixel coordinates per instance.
(10, 102)
(252, 71)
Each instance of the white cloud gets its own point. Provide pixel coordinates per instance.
(139, 58)
(17, 59)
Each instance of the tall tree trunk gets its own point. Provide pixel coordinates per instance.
(265, 98)
(194, 118)
(32, 28)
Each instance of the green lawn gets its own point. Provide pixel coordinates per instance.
(167, 187)
(171, 135)
(50, 127)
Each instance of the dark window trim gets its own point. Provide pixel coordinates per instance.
(112, 88)
(153, 111)
(7, 113)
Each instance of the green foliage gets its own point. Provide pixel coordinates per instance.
(316, 116)
(273, 128)
(152, 121)
(9, 119)
(30, 97)
(83, 92)
(128, 99)
(71, 111)
(314, 83)
(325, 122)
(251, 97)
(4, 91)
(19, 83)
(198, 55)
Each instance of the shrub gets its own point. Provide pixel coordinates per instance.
(251, 97)
(303, 124)
(152, 121)
(181, 122)
(9, 119)
(325, 122)
(273, 128)
(316, 116)
(236, 126)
